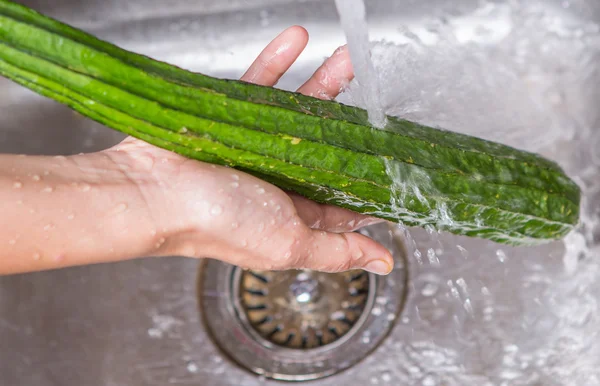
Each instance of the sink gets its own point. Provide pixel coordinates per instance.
(475, 313)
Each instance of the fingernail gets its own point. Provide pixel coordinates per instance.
(379, 267)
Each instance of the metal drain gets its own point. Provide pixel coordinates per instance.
(301, 325)
(302, 309)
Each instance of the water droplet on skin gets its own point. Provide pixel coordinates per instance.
(260, 191)
(48, 189)
(234, 185)
(122, 207)
(12, 242)
(36, 256)
(85, 187)
(216, 210)
(160, 242)
(248, 201)
(35, 177)
(18, 185)
(244, 243)
(287, 255)
(153, 232)
(20, 202)
(265, 203)
(277, 208)
(70, 217)
(47, 227)
(31, 211)
(234, 225)
(164, 160)
(261, 227)
(46, 173)
(272, 221)
(235, 177)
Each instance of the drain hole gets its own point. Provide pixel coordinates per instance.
(302, 309)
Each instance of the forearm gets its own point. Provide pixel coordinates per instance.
(64, 211)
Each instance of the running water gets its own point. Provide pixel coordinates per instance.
(353, 19)
(479, 312)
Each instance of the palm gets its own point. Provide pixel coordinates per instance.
(247, 221)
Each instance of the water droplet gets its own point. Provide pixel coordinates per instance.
(20, 202)
(85, 187)
(48, 189)
(46, 173)
(36, 256)
(260, 191)
(192, 368)
(122, 207)
(272, 222)
(357, 254)
(234, 185)
(376, 311)
(70, 217)
(18, 185)
(216, 210)
(287, 255)
(235, 177)
(12, 242)
(501, 255)
(386, 376)
(234, 225)
(244, 243)
(183, 130)
(36, 177)
(47, 227)
(153, 232)
(261, 227)
(160, 242)
(429, 289)
(265, 203)
(433, 259)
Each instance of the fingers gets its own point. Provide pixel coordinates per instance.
(338, 252)
(277, 57)
(329, 218)
(329, 79)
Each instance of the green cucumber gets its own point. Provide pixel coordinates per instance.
(324, 150)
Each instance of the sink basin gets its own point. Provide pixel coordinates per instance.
(476, 313)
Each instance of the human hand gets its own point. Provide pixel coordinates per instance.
(203, 210)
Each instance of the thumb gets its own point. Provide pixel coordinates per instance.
(338, 252)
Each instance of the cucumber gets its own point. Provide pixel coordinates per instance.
(324, 150)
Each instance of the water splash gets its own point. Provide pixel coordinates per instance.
(521, 74)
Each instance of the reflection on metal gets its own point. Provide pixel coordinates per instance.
(300, 325)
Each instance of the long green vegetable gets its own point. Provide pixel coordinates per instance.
(324, 150)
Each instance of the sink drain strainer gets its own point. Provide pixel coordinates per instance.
(299, 324)
(302, 309)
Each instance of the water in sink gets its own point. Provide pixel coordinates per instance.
(481, 313)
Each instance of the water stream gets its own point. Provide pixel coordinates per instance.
(479, 312)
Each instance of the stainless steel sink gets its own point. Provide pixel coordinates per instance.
(476, 313)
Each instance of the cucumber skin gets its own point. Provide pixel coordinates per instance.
(321, 149)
